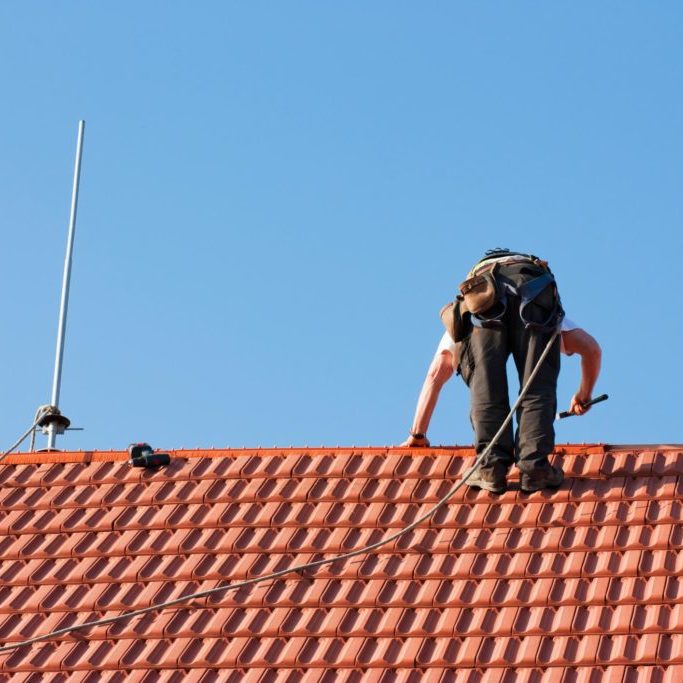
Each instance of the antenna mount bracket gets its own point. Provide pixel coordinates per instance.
(54, 417)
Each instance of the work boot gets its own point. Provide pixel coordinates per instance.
(490, 477)
(544, 477)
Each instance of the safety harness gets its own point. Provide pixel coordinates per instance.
(527, 292)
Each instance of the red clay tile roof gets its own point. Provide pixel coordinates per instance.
(583, 584)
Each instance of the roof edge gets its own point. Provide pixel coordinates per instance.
(643, 447)
(87, 457)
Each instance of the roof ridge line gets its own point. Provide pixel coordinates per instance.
(93, 456)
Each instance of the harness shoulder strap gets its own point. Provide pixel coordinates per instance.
(532, 288)
(528, 291)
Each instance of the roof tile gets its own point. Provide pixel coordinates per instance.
(472, 594)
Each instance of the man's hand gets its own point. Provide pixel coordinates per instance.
(577, 405)
(413, 442)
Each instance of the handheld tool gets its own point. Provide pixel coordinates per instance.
(143, 455)
(597, 399)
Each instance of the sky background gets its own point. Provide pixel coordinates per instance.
(278, 197)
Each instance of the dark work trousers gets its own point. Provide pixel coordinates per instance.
(483, 363)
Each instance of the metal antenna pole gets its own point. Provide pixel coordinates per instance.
(53, 426)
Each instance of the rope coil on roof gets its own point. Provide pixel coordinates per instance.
(303, 567)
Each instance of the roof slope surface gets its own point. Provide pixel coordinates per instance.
(581, 584)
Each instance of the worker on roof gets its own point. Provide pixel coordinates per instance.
(510, 305)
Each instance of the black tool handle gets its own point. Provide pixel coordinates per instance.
(597, 399)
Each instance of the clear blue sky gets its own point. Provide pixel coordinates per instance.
(277, 198)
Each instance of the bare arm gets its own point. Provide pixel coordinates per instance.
(440, 371)
(579, 341)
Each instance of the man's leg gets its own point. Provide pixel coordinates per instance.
(535, 438)
(482, 366)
